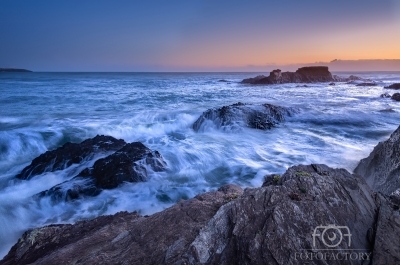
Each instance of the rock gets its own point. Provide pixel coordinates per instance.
(123, 238)
(70, 153)
(332, 84)
(387, 238)
(394, 86)
(367, 84)
(381, 168)
(129, 164)
(395, 197)
(310, 74)
(396, 96)
(307, 213)
(385, 95)
(240, 115)
(223, 81)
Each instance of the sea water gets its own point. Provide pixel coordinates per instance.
(336, 125)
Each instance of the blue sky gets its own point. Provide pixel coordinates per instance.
(193, 35)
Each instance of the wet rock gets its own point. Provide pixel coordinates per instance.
(367, 84)
(223, 81)
(123, 238)
(394, 86)
(70, 153)
(332, 84)
(385, 95)
(309, 74)
(381, 168)
(131, 163)
(396, 96)
(240, 115)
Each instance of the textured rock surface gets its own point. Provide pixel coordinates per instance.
(267, 225)
(387, 238)
(131, 163)
(309, 74)
(394, 86)
(240, 115)
(124, 238)
(70, 153)
(381, 168)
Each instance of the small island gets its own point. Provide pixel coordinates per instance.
(14, 70)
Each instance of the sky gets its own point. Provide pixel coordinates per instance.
(195, 35)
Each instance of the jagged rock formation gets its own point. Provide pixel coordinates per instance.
(309, 74)
(240, 115)
(285, 222)
(70, 153)
(394, 86)
(122, 163)
(131, 163)
(381, 168)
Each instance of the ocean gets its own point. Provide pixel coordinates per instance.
(336, 125)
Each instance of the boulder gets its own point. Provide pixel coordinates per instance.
(70, 153)
(396, 96)
(131, 163)
(381, 168)
(332, 84)
(309, 74)
(394, 86)
(385, 95)
(240, 115)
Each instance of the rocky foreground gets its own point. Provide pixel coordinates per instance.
(309, 74)
(293, 219)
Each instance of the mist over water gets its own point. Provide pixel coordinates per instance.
(336, 125)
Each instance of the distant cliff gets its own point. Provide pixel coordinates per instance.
(14, 70)
(309, 74)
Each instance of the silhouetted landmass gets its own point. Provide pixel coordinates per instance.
(310, 74)
(14, 70)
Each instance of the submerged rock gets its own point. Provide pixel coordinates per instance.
(381, 168)
(240, 115)
(385, 95)
(367, 84)
(310, 74)
(70, 153)
(394, 86)
(131, 163)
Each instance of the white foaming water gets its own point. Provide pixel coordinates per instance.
(337, 125)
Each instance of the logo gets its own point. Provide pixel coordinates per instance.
(332, 242)
(332, 235)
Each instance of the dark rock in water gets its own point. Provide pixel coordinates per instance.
(70, 153)
(367, 84)
(309, 74)
(387, 110)
(385, 95)
(129, 164)
(223, 81)
(381, 168)
(332, 84)
(240, 115)
(14, 70)
(396, 96)
(282, 223)
(394, 86)
(302, 86)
